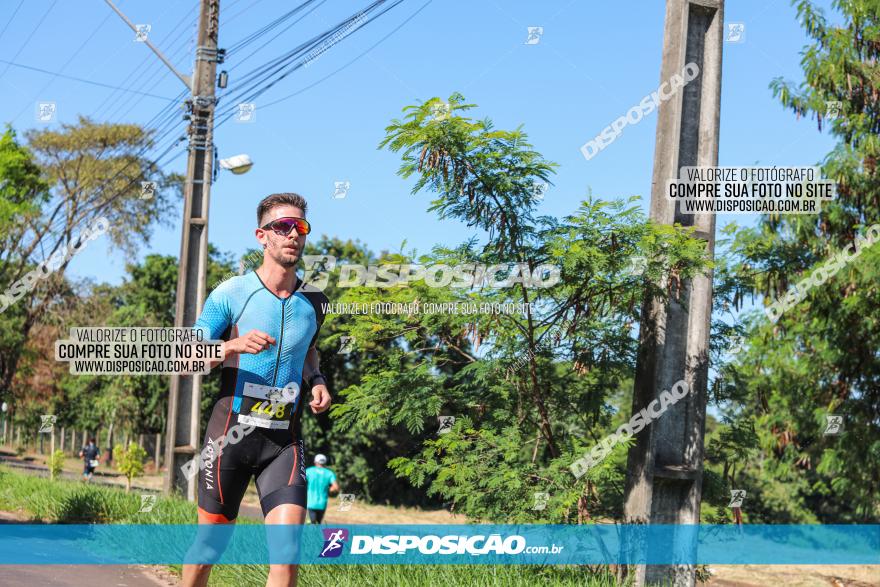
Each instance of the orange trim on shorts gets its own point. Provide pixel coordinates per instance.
(295, 457)
(233, 334)
(215, 518)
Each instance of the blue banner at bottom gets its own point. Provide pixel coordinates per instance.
(27, 544)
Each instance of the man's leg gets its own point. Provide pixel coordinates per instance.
(196, 575)
(223, 478)
(284, 575)
(319, 516)
(282, 488)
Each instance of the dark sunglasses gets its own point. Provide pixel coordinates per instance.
(283, 226)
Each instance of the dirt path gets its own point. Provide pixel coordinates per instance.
(795, 575)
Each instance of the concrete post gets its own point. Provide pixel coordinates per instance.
(182, 441)
(665, 466)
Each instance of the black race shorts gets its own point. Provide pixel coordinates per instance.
(274, 457)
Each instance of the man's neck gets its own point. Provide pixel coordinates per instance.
(282, 281)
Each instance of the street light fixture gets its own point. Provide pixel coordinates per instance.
(237, 164)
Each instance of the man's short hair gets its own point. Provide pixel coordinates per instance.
(272, 200)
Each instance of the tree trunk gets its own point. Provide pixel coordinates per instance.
(110, 442)
(141, 440)
(158, 449)
(63, 438)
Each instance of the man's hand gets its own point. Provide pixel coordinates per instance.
(252, 343)
(320, 398)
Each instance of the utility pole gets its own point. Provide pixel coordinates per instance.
(184, 401)
(665, 466)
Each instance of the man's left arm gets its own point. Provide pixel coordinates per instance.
(312, 376)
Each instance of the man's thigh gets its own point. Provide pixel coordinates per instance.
(223, 480)
(282, 481)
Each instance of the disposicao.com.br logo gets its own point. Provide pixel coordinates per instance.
(477, 545)
(334, 540)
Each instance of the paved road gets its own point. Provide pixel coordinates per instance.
(78, 576)
(99, 477)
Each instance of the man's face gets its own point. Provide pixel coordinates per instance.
(284, 250)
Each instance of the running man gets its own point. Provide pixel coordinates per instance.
(90, 454)
(320, 480)
(269, 320)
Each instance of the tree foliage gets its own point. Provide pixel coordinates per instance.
(820, 358)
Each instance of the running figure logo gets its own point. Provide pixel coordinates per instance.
(446, 423)
(334, 540)
(46, 111)
(340, 189)
(736, 32)
(539, 188)
(148, 190)
(47, 423)
(535, 33)
(346, 500)
(737, 496)
(834, 425)
(346, 345)
(147, 503)
(142, 31)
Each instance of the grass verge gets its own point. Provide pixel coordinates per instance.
(74, 502)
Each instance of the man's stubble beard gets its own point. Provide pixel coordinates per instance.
(276, 252)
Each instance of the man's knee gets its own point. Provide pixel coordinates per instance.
(282, 572)
(200, 568)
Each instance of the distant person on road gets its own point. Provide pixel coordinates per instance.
(89, 454)
(319, 479)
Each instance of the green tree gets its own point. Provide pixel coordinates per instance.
(821, 357)
(530, 391)
(63, 183)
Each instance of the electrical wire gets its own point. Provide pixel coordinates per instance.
(265, 77)
(56, 74)
(11, 18)
(147, 62)
(30, 36)
(334, 72)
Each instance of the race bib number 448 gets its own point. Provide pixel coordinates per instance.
(274, 411)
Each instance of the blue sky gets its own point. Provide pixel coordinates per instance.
(594, 61)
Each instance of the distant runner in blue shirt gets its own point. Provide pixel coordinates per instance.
(319, 478)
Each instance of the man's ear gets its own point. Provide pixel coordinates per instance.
(261, 236)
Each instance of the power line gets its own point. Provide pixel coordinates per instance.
(264, 77)
(238, 45)
(11, 18)
(152, 75)
(79, 79)
(240, 12)
(31, 35)
(63, 67)
(140, 67)
(334, 72)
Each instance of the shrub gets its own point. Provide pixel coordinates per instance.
(130, 462)
(55, 463)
